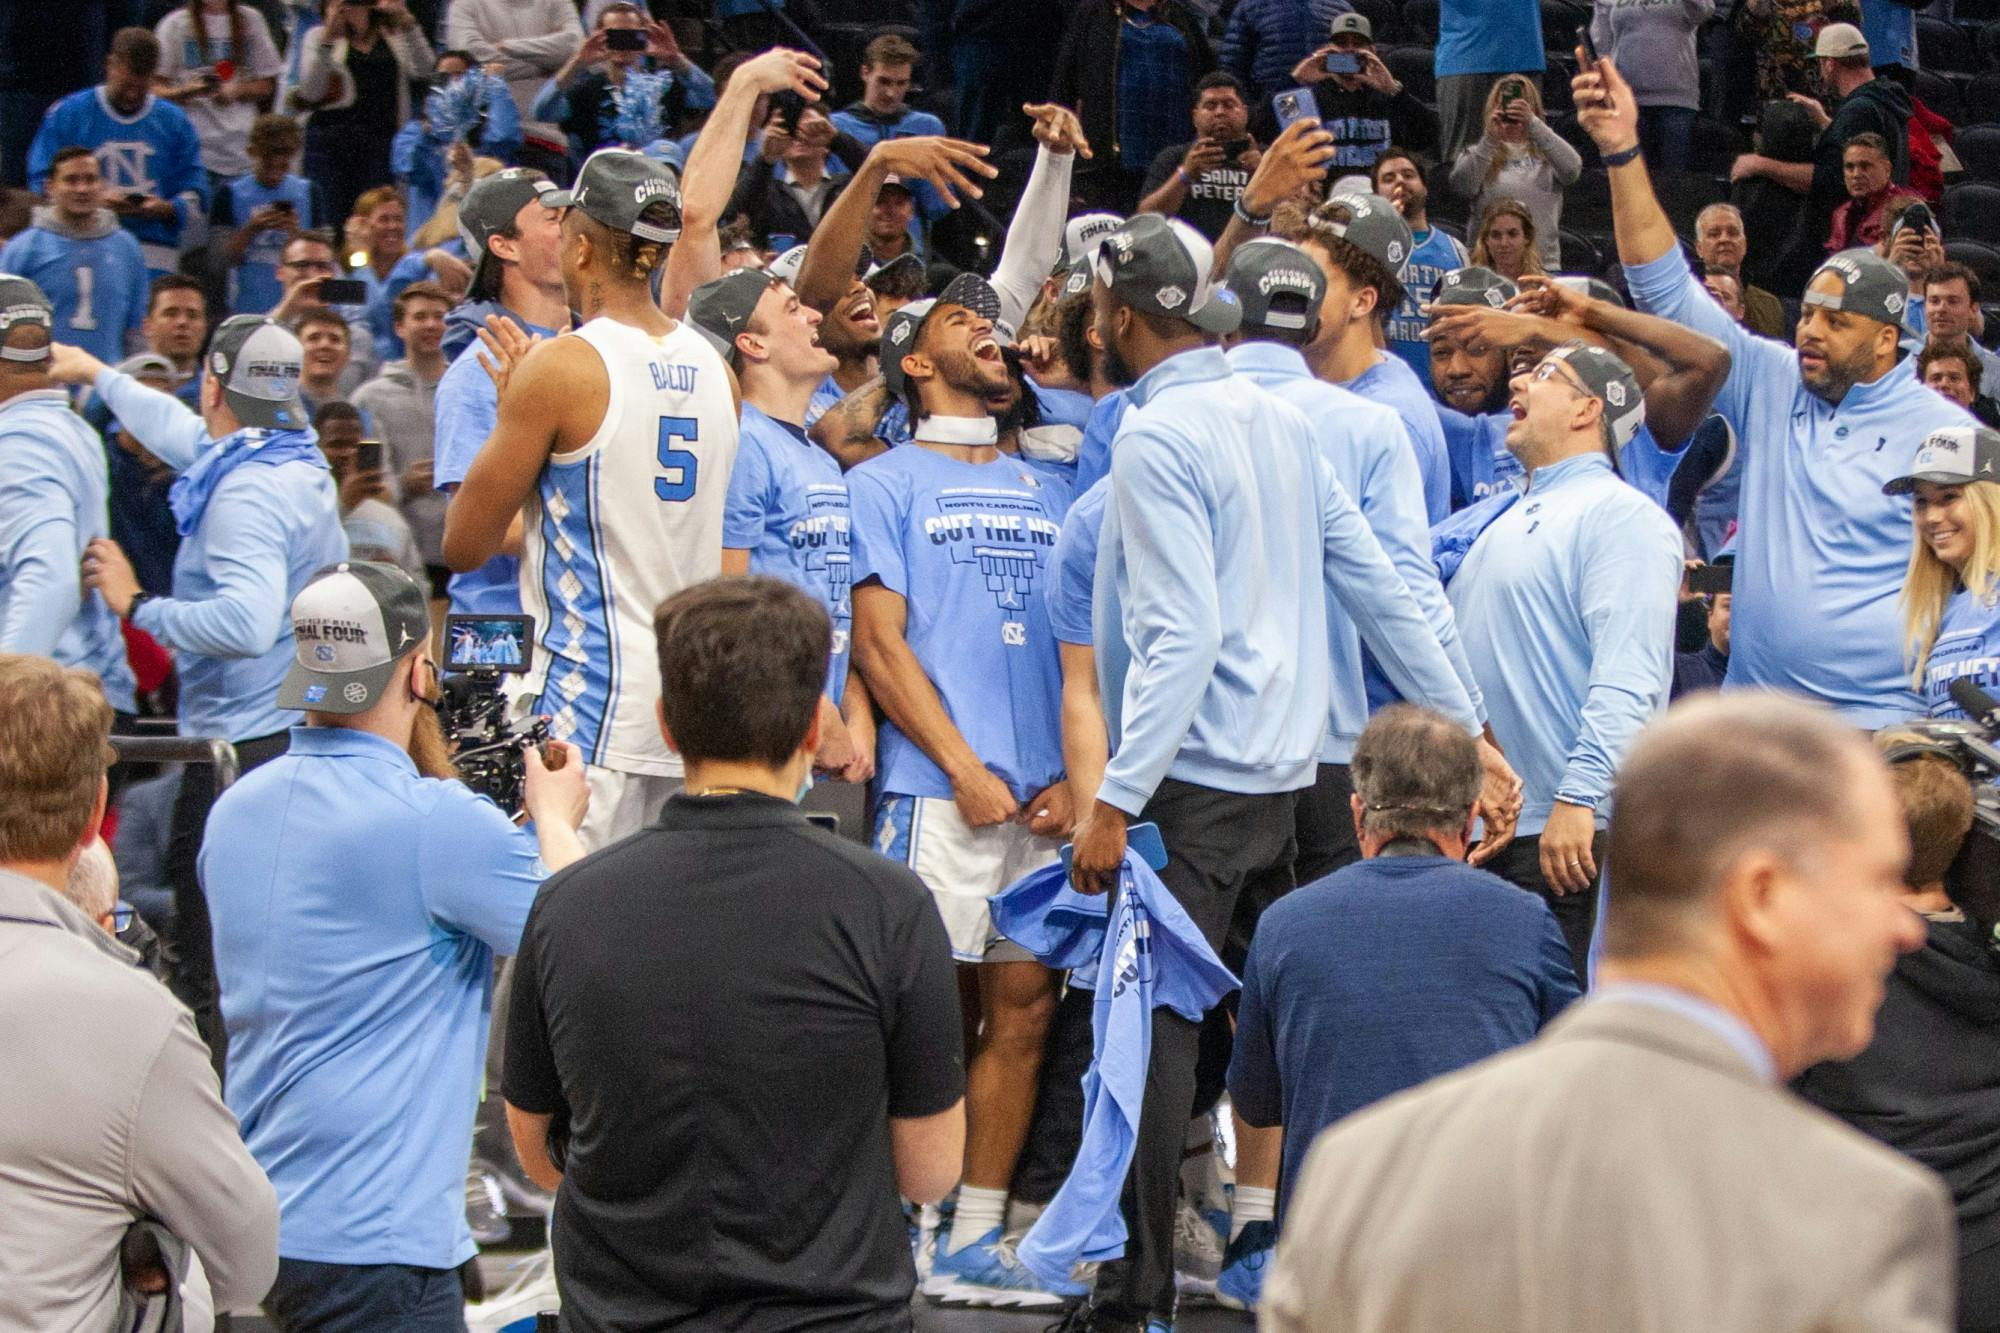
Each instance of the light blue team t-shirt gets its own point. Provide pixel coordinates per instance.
(1435, 253)
(1073, 576)
(787, 507)
(969, 547)
(98, 285)
(1967, 648)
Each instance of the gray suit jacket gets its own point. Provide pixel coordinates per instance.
(1626, 1172)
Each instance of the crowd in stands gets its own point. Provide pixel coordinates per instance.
(1228, 492)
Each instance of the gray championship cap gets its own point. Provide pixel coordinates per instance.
(1354, 24)
(492, 204)
(22, 302)
(1610, 381)
(1375, 227)
(616, 186)
(350, 625)
(895, 274)
(1871, 287)
(720, 310)
(1839, 41)
(1075, 279)
(1597, 289)
(1953, 456)
(1162, 266)
(1474, 285)
(900, 330)
(1277, 284)
(1082, 233)
(258, 362)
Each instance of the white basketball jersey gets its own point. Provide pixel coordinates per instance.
(616, 528)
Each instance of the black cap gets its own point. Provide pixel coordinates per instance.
(616, 186)
(1474, 285)
(1610, 381)
(1276, 283)
(1163, 266)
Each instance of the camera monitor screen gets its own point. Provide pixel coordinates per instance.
(499, 643)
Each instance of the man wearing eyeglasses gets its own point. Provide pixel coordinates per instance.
(1565, 606)
(360, 894)
(310, 259)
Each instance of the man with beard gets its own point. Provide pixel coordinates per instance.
(361, 832)
(1469, 377)
(1821, 552)
(952, 545)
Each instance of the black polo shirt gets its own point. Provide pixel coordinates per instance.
(728, 1008)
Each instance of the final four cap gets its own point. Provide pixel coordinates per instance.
(1952, 457)
(787, 265)
(1374, 226)
(617, 186)
(1474, 286)
(492, 204)
(1610, 381)
(1082, 233)
(350, 626)
(1162, 266)
(1871, 286)
(1277, 284)
(22, 302)
(720, 310)
(899, 331)
(259, 361)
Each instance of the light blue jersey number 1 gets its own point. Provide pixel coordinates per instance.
(680, 464)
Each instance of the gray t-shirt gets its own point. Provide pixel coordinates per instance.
(1652, 43)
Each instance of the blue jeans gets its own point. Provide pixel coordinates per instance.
(312, 1297)
(1666, 133)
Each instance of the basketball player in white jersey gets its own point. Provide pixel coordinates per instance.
(614, 443)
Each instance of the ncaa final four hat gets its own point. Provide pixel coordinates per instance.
(1952, 457)
(899, 332)
(617, 186)
(1082, 233)
(1871, 286)
(351, 624)
(259, 361)
(22, 302)
(1162, 266)
(492, 204)
(1610, 381)
(1277, 284)
(1474, 285)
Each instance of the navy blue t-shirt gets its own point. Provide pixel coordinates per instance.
(1380, 976)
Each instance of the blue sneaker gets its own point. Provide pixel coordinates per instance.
(987, 1273)
(1242, 1280)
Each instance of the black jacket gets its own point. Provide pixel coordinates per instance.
(770, 207)
(1880, 105)
(1087, 68)
(1362, 122)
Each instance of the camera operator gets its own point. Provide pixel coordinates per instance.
(359, 896)
(1929, 1084)
(1950, 625)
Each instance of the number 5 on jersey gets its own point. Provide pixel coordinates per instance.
(680, 464)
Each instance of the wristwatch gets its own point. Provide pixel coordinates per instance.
(139, 599)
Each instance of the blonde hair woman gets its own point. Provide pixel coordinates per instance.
(1520, 157)
(1951, 625)
(1506, 240)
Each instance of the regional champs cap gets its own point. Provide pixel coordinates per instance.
(492, 204)
(1610, 381)
(719, 310)
(22, 302)
(616, 186)
(1872, 287)
(259, 361)
(1952, 457)
(351, 625)
(1474, 285)
(1277, 284)
(1162, 266)
(1375, 227)
(899, 331)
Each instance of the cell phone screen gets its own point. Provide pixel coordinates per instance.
(343, 291)
(368, 456)
(1342, 62)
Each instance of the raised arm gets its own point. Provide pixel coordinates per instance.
(951, 165)
(1034, 237)
(1297, 160)
(1608, 112)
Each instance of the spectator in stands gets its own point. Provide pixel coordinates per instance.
(821, 967)
(1721, 244)
(786, 188)
(605, 96)
(1780, 34)
(355, 79)
(1864, 165)
(1836, 545)
(147, 149)
(1365, 111)
(138, 1136)
(142, 520)
(1926, 1085)
(1399, 177)
(1949, 625)
(1782, 245)
(90, 268)
(251, 536)
(377, 233)
(1507, 241)
(888, 65)
(1128, 68)
(1521, 160)
(176, 326)
(308, 260)
(466, 111)
(1657, 43)
(890, 223)
(42, 62)
(218, 64)
(360, 828)
(1479, 43)
(1954, 369)
(1951, 310)
(1338, 1008)
(375, 530)
(260, 213)
(1266, 39)
(530, 40)
(1705, 668)
(1200, 182)
(328, 372)
(1758, 851)
(402, 402)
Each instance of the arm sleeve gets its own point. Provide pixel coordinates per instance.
(1034, 237)
(190, 1170)
(246, 534)
(1629, 577)
(749, 498)
(1668, 288)
(314, 66)
(1370, 589)
(1168, 540)
(1564, 161)
(139, 287)
(875, 537)
(163, 423)
(1255, 1088)
(1468, 169)
(926, 1064)
(529, 1078)
(38, 562)
(480, 872)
